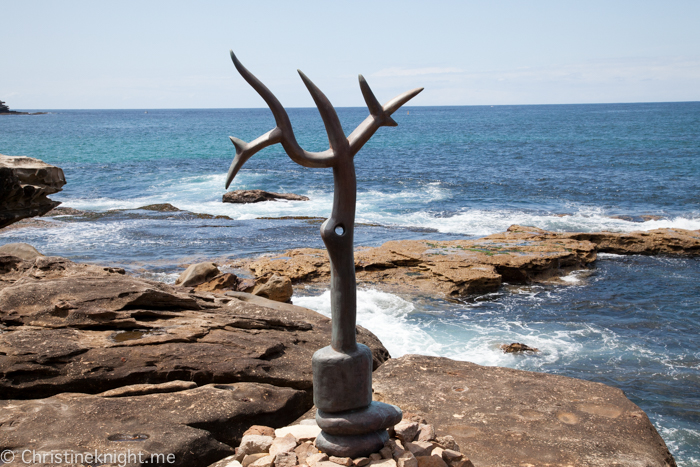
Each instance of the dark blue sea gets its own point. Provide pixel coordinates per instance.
(444, 173)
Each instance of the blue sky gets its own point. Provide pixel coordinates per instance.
(174, 54)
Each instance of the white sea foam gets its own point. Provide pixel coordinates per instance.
(202, 194)
(478, 222)
(405, 328)
(387, 316)
(165, 277)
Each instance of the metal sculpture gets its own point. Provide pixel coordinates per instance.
(352, 424)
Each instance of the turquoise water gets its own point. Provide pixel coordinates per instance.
(443, 173)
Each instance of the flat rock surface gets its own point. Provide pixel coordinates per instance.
(461, 267)
(197, 426)
(506, 417)
(25, 183)
(66, 327)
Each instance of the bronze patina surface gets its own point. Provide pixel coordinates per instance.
(353, 424)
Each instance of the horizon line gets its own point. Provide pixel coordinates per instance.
(354, 107)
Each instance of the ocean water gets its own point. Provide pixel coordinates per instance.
(444, 173)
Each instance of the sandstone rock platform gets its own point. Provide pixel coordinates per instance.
(69, 327)
(94, 359)
(457, 268)
(505, 417)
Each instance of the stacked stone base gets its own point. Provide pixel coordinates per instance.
(353, 425)
(411, 443)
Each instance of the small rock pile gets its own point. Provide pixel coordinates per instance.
(412, 444)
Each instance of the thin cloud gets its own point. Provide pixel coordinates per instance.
(390, 72)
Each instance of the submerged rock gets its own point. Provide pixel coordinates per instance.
(25, 183)
(517, 347)
(504, 417)
(257, 196)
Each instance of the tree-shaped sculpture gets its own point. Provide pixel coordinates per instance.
(353, 425)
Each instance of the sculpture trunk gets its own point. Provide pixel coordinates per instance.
(337, 233)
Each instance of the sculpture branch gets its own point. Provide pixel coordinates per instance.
(284, 134)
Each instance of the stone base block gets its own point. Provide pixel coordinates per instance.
(376, 416)
(352, 446)
(342, 381)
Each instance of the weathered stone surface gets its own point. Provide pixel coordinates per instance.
(274, 287)
(23, 251)
(315, 459)
(221, 283)
(300, 432)
(652, 242)
(406, 431)
(229, 461)
(361, 461)
(267, 461)
(505, 417)
(304, 450)
(25, 184)
(464, 462)
(285, 459)
(260, 430)
(397, 449)
(419, 448)
(383, 463)
(447, 442)
(143, 389)
(462, 267)
(452, 268)
(407, 460)
(256, 196)
(255, 444)
(198, 273)
(183, 423)
(345, 461)
(79, 328)
(430, 461)
(449, 455)
(286, 443)
(437, 451)
(425, 432)
(249, 459)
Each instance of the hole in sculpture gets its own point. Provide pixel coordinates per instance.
(339, 229)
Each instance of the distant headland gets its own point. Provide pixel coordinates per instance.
(5, 110)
